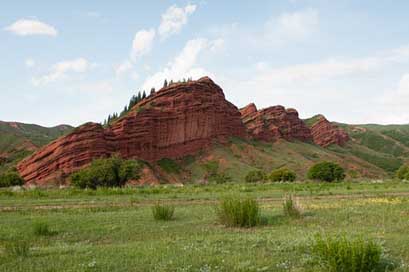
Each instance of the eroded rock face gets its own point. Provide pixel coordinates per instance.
(274, 123)
(324, 133)
(178, 120)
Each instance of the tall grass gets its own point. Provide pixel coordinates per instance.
(17, 248)
(42, 229)
(290, 207)
(236, 212)
(163, 212)
(340, 253)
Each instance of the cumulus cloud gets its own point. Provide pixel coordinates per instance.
(294, 26)
(174, 19)
(142, 43)
(30, 63)
(182, 66)
(61, 69)
(26, 27)
(123, 68)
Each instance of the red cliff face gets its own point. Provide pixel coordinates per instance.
(324, 133)
(274, 123)
(176, 121)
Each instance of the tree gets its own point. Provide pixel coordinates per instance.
(165, 84)
(403, 172)
(11, 178)
(282, 174)
(144, 95)
(255, 176)
(326, 171)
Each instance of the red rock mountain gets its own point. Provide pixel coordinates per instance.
(324, 133)
(178, 120)
(273, 123)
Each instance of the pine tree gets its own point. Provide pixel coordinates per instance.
(152, 91)
(143, 95)
(165, 84)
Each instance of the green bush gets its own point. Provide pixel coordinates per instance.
(255, 176)
(11, 178)
(290, 207)
(169, 166)
(213, 175)
(41, 229)
(282, 174)
(403, 172)
(17, 248)
(235, 212)
(109, 172)
(348, 255)
(162, 212)
(326, 171)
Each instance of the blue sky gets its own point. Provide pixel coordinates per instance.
(77, 61)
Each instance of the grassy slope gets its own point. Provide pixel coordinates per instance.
(18, 140)
(121, 235)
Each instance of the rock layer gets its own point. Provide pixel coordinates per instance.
(273, 123)
(324, 133)
(178, 120)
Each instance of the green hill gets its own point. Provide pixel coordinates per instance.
(18, 140)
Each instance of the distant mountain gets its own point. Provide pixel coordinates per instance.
(17, 140)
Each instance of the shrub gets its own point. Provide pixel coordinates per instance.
(17, 248)
(350, 255)
(41, 229)
(162, 212)
(109, 172)
(235, 212)
(326, 171)
(403, 172)
(169, 166)
(282, 174)
(290, 207)
(212, 173)
(11, 178)
(255, 176)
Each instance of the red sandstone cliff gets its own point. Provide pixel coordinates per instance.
(178, 120)
(324, 133)
(274, 123)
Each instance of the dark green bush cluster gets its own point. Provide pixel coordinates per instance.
(162, 212)
(282, 174)
(169, 166)
(213, 174)
(255, 176)
(350, 255)
(11, 178)
(236, 212)
(403, 173)
(326, 171)
(110, 172)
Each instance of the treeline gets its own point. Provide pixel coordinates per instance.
(135, 99)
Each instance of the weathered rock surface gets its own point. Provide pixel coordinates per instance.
(324, 133)
(274, 123)
(176, 121)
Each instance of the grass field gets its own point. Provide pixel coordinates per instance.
(114, 230)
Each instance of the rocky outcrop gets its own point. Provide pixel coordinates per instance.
(324, 133)
(273, 123)
(178, 120)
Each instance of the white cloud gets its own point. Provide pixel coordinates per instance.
(183, 65)
(123, 68)
(217, 44)
(26, 27)
(30, 63)
(60, 70)
(292, 27)
(99, 86)
(142, 43)
(174, 19)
